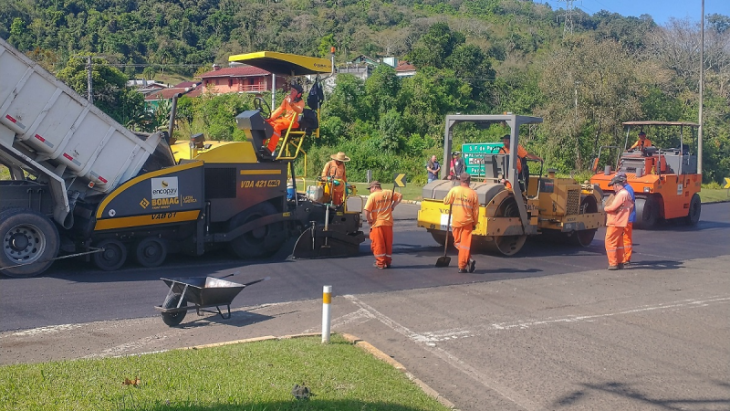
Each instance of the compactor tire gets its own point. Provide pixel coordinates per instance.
(27, 237)
(647, 212)
(440, 237)
(695, 209)
(173, 319)
(251, 244)
(504, 245)
(150, 252)
(583, 238)
(113, 257)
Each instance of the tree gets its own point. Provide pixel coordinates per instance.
(435, 46)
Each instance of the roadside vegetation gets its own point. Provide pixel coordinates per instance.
(253, 376)
(472, 57)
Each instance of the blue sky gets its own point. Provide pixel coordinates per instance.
(660, 10)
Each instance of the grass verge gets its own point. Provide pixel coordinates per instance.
(254, 376)
(709, 195)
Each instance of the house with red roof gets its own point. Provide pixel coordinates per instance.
(239, 79)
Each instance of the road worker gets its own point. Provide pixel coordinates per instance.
(522, 156)
(334, 174)
(629, 230)
(642, 142)
(617, 217)
(287, 113)
(464, 217)
(456, 167)
(379, 214)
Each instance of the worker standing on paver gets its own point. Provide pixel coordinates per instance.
(617, 217)
(464, 218)
(334, 172)
(629, 230)
(379, 214)
(287, 113)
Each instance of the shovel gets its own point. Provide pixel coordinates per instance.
(445, 260)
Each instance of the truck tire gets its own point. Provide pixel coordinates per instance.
(647, 212)
(28, 238)
(113, 256)
(150, 252)
(173, 319)
(251, 244)
(695, 209)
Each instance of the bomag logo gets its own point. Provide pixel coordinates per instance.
(144, 203)
(161, 202)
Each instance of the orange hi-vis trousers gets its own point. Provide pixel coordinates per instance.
(462, 242)
(615, 245)
(381, 242)
(280, 124)
(628, 242)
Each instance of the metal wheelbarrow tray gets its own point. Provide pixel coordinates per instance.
(203, 292)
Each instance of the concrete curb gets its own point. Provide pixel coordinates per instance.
(364, 345)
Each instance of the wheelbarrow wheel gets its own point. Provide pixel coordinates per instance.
(173, 319)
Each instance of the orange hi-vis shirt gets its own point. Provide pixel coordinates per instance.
(288, 109)
(521, 153)
(331, 169)
(465, 211)
(640, 144)
(380, 204)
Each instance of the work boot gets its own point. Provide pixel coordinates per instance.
(379, 267)
(472, 265)
(463, 270)
(620, 266)
(613, 267)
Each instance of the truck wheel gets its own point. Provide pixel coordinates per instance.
(647, 212)
(151, 252)
(113, 256)
(695, 209)
(173, 319)
(28, 238)
(251, 244)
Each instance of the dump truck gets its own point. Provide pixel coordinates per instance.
(83, 185)
(666, 181)
(558, 208)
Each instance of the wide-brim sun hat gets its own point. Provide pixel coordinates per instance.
(340, 157)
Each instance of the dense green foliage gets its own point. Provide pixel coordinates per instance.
(478, 56)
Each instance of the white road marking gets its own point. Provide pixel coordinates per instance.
(523, 325)
(451, 359)
(44, 330)
(354, 317)
(126, 347)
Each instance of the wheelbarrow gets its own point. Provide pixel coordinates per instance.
(202, 292)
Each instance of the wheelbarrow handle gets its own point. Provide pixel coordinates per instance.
(256, 281)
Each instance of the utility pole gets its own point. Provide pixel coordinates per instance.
(569, 8)
(702, 82)
(89, 86)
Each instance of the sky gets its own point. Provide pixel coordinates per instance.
(660, 10)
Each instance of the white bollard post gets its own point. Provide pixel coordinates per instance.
(326, 299)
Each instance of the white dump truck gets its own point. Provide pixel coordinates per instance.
(83, 184)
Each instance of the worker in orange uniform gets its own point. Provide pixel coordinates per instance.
(629, 230)
(522, 156)
(379, 214)
(334, 173)
(287, 113)
(642, 142)
(464, 218)
(617, 217)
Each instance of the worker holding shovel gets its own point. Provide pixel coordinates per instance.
(465, 215)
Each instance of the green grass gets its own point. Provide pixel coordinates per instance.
(4, 173)
(254, 376)
(709, 195)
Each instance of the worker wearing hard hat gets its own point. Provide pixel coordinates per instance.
(464, 218)
(629, 230)
(617, 217)
(379, 214)
(642, 142)
(287, 113)
(334, 173)
(522, 156)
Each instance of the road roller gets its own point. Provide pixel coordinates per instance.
(511, 207)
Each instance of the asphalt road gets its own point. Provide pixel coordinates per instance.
(547, 329)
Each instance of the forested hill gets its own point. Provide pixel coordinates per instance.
(472, 56)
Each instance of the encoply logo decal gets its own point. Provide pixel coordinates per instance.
(165, 187)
